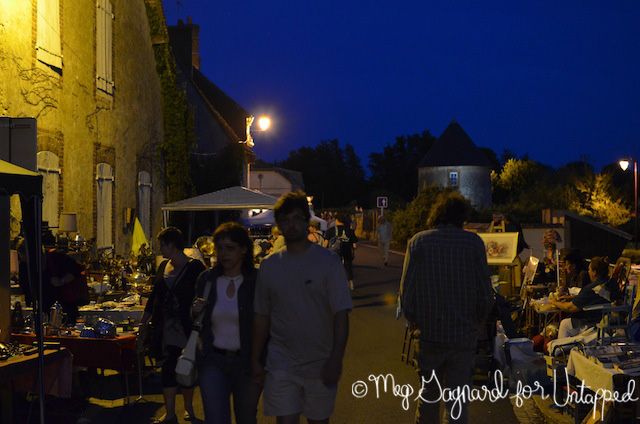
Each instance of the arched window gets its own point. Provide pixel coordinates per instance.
(104, 204)
(144, 202)
(49, 168)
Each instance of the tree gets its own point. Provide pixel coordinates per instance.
(592, 197)
(332, 174)
(395, 170)
(413, 218)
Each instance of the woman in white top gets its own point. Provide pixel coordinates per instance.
(225, 338)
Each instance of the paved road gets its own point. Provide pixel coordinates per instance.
(375, 345)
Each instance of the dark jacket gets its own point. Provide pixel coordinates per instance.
(160, 304)
(245, 296)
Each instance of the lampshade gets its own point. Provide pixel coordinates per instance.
(68, 222)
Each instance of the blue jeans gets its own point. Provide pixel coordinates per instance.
(220, 377)
(453, 368)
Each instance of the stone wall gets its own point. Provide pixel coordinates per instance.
(474, 182)
(78, 122)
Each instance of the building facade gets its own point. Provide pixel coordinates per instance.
(454, 161)
(223, 148)
(275, 181)
(85, 70)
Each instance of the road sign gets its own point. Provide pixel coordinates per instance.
(382, 202)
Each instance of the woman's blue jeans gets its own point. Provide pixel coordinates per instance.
(222, 377)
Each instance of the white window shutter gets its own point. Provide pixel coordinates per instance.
(48, 167)
(100, 42)
(48, 43)
(144, 202)
(104, 204)
(104, 46)
(109, 46)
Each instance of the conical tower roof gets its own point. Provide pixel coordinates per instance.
(454, 148)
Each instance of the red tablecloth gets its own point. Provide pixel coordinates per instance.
(117, 353)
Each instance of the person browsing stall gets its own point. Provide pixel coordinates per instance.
(224, 358)
(169, 308)
(594, 293)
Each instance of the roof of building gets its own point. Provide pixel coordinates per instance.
(230, 114)
(454, 148)
(230, 198)
(294, 177)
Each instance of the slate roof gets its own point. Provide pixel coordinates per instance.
(230, 114)
(454, 148)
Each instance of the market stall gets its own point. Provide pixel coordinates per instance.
(28, 184)
(228, 199)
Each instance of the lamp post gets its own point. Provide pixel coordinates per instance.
(264, 123)
(624, 164)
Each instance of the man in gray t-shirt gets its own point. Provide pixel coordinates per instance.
(302, 302)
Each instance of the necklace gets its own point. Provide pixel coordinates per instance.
(231, 289)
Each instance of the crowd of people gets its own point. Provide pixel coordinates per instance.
(279, 331)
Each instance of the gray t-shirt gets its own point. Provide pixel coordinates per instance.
(301, 293)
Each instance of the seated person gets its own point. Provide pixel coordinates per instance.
(594, 293)
(575, 269)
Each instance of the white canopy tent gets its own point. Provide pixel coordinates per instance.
(232, 198)
(267, 218)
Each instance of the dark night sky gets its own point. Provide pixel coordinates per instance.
(559, 80)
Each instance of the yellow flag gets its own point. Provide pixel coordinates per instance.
(139, 238)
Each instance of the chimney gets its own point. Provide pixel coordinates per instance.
(185, 43)
(195, 44)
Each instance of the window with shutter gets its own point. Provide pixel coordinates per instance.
(144, 202)
(48, 41)
(104, 46)
(49, 168)
(104, 204)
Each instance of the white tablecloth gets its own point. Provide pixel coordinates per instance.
(595, 376)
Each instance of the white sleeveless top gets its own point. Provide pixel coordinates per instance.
(225, 322)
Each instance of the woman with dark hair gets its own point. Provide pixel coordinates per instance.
(168, 307)
(224, 358)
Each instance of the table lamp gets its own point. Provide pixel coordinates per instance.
(68, 224)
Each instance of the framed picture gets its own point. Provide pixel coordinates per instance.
(501, 248)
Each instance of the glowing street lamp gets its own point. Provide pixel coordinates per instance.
(624, 164)
(264, 123)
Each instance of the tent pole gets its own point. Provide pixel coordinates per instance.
(38, 218)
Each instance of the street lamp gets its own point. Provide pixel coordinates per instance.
(624, 164)
(264, 123)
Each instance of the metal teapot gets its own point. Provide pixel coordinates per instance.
(56, 315)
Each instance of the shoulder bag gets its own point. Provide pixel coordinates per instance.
(186, 372)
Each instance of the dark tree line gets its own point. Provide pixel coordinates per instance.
(521, 187)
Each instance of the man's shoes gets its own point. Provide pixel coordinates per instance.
(188, 416)
(165, 420)
(351, 285)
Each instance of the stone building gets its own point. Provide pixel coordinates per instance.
(221, 125)
(275, 181)
(85, 70)
(455, 162)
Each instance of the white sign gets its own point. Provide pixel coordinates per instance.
(382, 202)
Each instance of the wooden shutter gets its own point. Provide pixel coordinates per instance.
(104, 204)
(104, 46)
(48, 167)
(144, 202)
(48, 44)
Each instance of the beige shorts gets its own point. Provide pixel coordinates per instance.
(288, 394)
